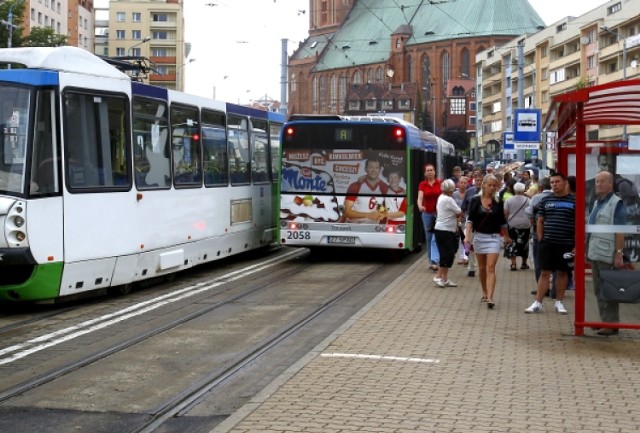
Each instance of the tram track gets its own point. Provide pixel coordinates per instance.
(97, 356)
(188, 366)
(190, 397)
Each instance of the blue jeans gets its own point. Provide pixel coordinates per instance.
(431, 246)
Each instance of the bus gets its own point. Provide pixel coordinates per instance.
(105, 182)
(352, 181)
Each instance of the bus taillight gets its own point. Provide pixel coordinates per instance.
(289, 132)
(398, 134)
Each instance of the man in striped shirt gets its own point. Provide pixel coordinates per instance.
(555, 227)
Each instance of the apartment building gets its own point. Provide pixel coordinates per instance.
(152, 29)
(598, 47)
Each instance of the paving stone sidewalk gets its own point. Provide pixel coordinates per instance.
(420, 358)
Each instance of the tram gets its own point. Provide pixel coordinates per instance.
(352, 181)
(105, 182)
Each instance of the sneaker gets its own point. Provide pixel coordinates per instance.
(536, 307)
(560, 308)
(450, 283)
(441, 283)
(471, 274)
(437, 279)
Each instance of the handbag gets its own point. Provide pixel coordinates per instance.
(619, 286)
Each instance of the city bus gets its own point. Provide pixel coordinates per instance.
(352, 181)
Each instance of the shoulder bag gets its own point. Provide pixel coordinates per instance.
(620, 286)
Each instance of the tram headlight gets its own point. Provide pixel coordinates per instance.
(20, 236)
(18, 221)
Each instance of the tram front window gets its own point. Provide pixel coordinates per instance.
(13, 135)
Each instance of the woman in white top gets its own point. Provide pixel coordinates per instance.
(448, 213)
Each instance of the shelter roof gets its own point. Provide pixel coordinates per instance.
(365, 36)
(614, 103)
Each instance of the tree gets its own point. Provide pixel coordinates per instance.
(44, 37)
(17, 8)
(459, 137)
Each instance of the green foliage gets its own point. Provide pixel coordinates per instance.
(459, 137)
(44, 37)
(17, 10)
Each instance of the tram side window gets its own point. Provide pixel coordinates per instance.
(151, 157)
(185, 145)
(96, 142)
(259, 151)
(274, 141)
(214, 149)
(45, 158)
(239, 157)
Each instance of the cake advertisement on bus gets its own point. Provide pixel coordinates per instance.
(344, 185)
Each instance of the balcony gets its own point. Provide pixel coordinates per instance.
(569, 59)
(163, 60)
(162, 77)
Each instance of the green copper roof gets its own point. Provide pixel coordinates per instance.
(365, 36)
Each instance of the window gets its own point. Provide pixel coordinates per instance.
(404, 104)
(357, 77)
(556, 76)
(259, 151)
(214, 149)
(136, 17)
(239, 156)
(119, 51)
(457, 106)
(150, 137)
(96, 142)
(472, 106)
(614, 8)
(159, 52)
(472, 120)
(45, 157)
(159, 18)
(136, 34)
(136, 52)
(387, 104)
(160, 35)
(33, 14)
(591, 62)
(185, 146)
(354, 105)
(370, 104)
(561, 27)
(120, 17)
(120, 34)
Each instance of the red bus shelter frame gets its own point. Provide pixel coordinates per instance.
(616, 103)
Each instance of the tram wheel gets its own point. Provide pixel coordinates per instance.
(121, 290)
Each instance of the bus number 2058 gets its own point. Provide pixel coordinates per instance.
(298, 235)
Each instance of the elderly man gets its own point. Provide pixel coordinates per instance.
(604, 249)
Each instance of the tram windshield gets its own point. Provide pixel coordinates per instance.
(13, 134)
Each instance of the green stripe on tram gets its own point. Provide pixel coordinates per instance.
(44, 284)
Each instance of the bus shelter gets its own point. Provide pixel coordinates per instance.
(575, 116)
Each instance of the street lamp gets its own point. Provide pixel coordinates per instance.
(144, 41)
(624, 49)
(624, 65)
(9, 22)
(180, 75)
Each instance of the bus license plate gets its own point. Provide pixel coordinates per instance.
(341, 240)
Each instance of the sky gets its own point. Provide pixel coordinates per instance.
(236, 44)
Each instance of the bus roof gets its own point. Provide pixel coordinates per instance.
(63, 59)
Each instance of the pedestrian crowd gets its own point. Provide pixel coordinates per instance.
(478, 216)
